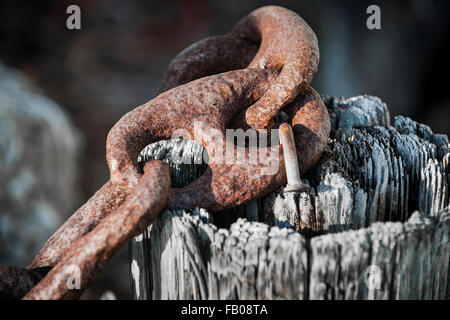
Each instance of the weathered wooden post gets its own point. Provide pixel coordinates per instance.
(374, 223)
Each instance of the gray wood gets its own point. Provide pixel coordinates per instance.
(378, 202)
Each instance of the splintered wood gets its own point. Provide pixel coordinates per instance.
(374, 223)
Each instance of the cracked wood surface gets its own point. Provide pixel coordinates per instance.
(378, 198)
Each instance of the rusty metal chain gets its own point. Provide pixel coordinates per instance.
(244, 79)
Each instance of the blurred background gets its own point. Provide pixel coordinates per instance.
(62, 90)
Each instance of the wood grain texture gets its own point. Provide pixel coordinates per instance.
(377, 204)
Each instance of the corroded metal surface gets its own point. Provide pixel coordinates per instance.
(90, 253)
(107, 199)
(287, 46)
(16, 282)
(226, 185)
(242, 79)
(282, 68)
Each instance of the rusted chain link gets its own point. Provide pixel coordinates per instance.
(273, 55)
(90, 253)
(15, 282)
(284, 65)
